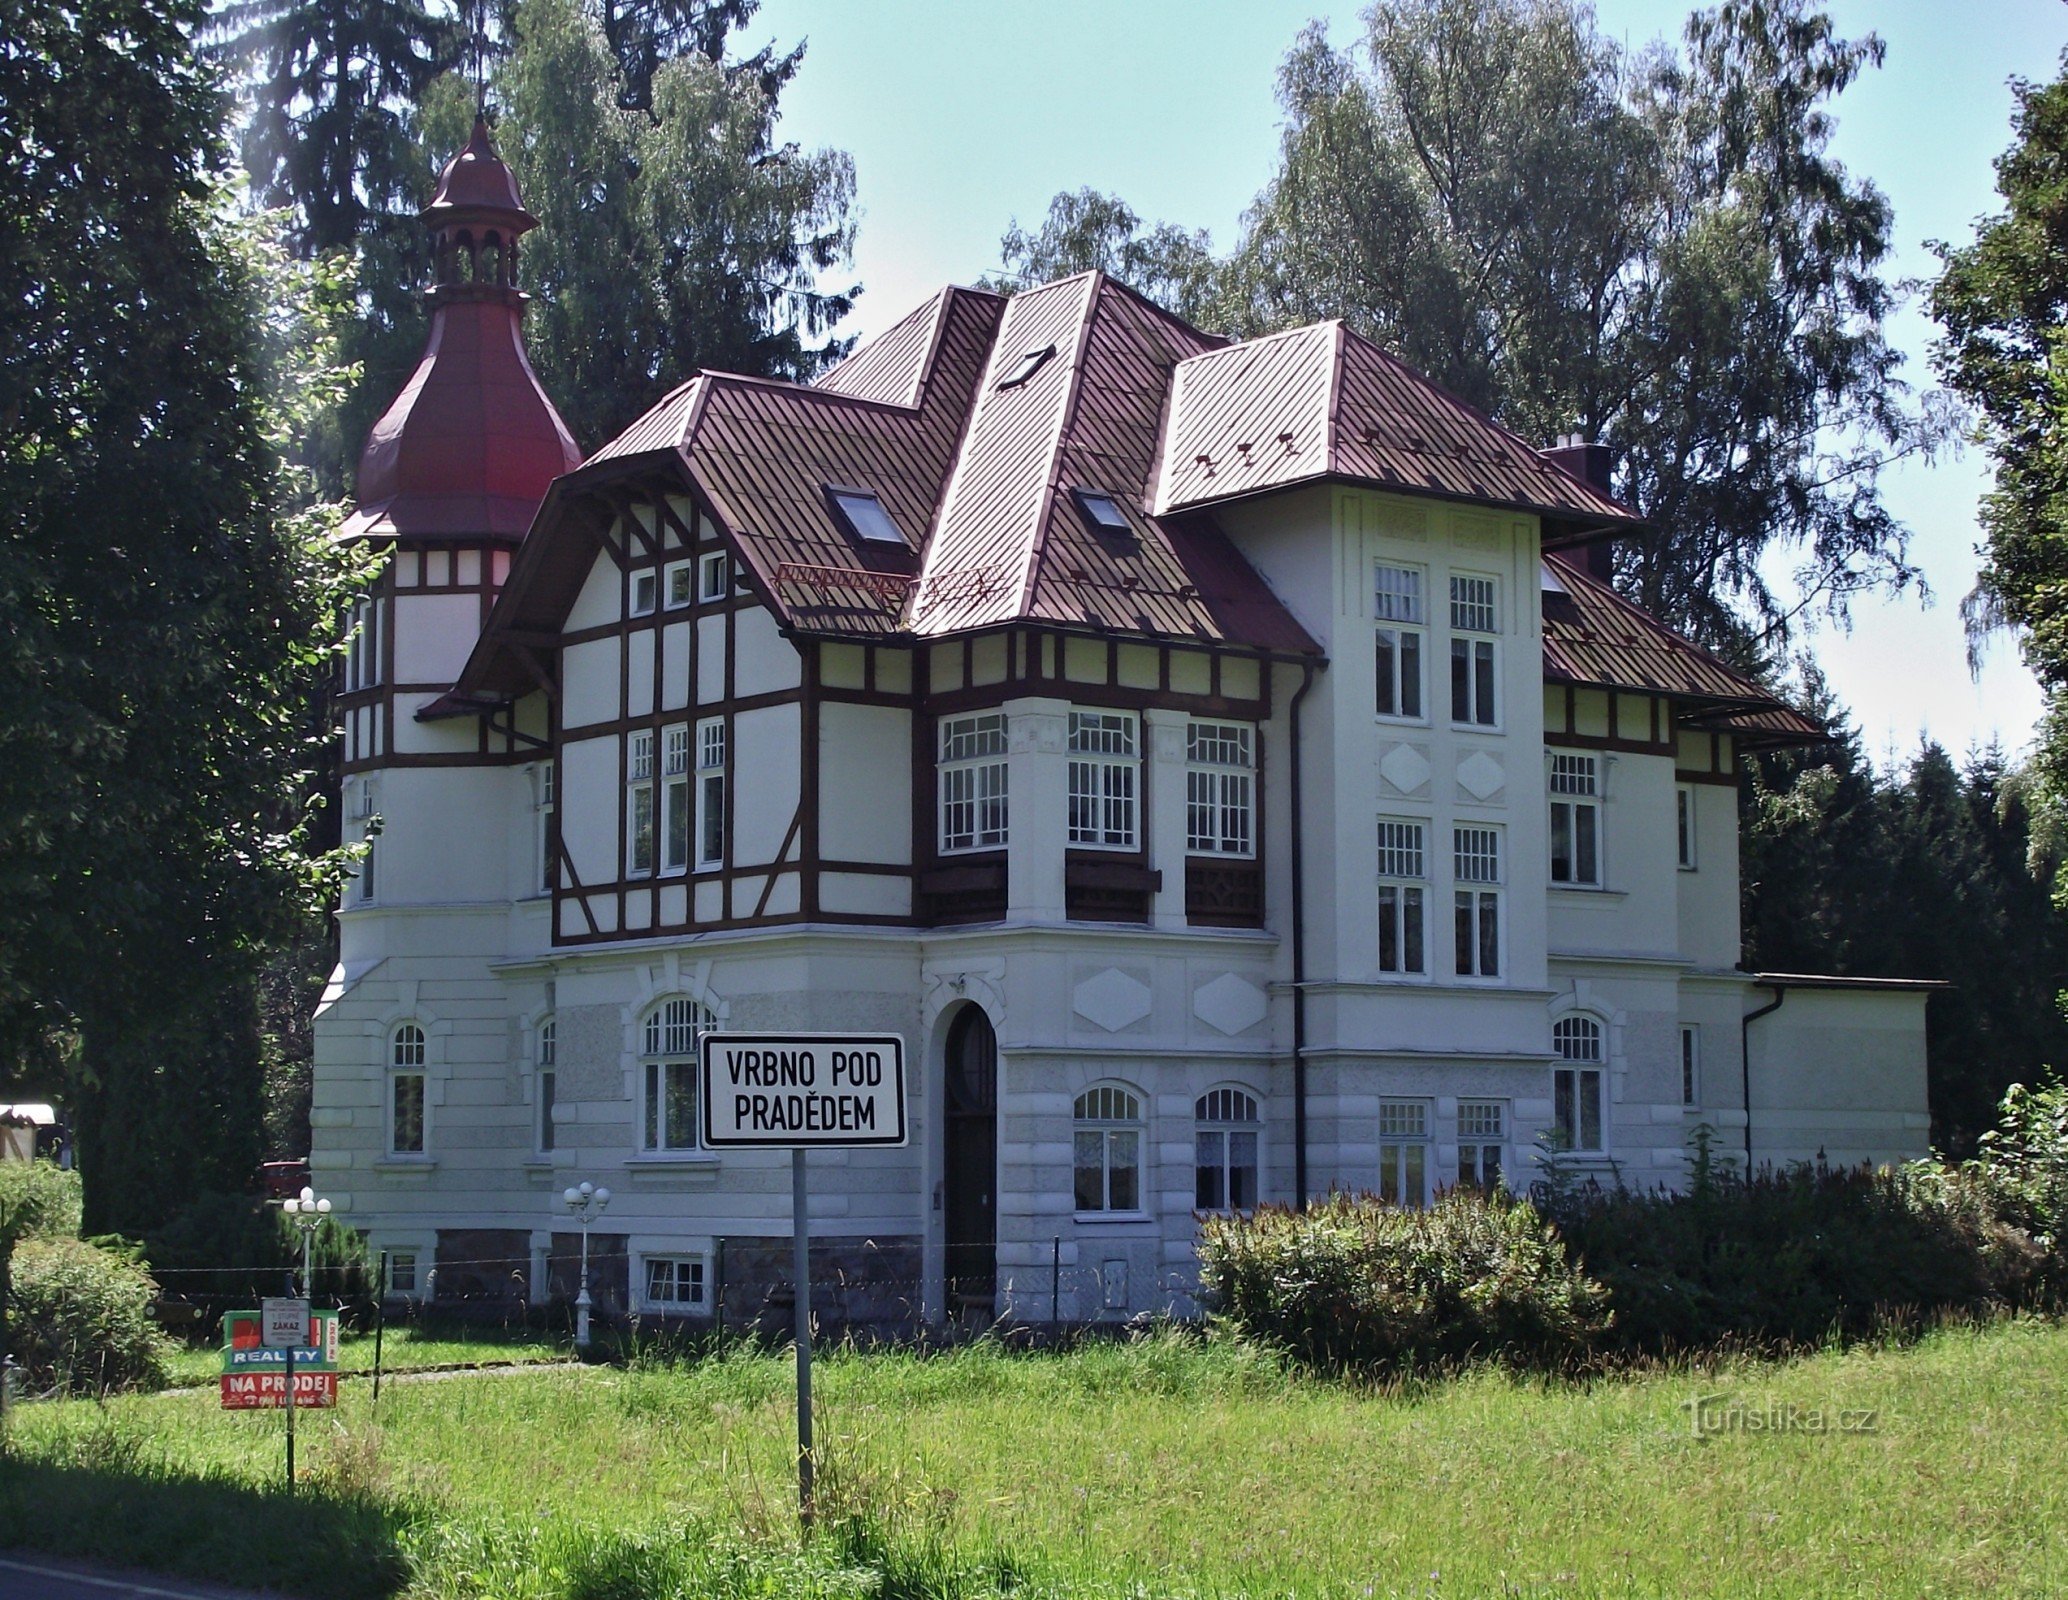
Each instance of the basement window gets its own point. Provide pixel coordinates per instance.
(865, 517)
(1101, 510)
(1029, 363)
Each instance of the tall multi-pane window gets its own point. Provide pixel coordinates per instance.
(1474, 657)
(1220, 796)
(406, 1058)
(1684, 824)
(972, 782)
(548, 792)
(1690, 1064)
(1482, 1130)
(1476, 900)
(363, 647)
(1404, 1154)
(675, 804)
(1577, 1084)
(1105, 773)
(1575, 819)
(1227, 1133)
(1398, 610)
(668, 1075)
(1108, 1149)
(639, 803)
(1403, 897)
(547, 1079)
(711, 792)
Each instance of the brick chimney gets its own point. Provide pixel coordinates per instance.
(1590, 464)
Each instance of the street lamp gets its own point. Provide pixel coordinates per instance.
(586, 1203)
(307, 1212)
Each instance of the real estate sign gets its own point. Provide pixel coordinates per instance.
(254, 1373)
(791, 1091)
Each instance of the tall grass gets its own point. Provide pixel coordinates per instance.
(1163, 1466)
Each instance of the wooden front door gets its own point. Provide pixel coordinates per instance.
(969, 1162)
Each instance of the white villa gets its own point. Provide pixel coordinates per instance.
(1223, 763)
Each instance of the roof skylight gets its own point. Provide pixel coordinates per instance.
(865, 517)
(1029, 363)
(1102, 510)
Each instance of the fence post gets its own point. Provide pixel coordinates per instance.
(718, 1294)
(380, 1323)
(1055, 1283)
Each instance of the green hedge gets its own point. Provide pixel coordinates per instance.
(225, 1251)
(1351, 1284)
(79, 1319)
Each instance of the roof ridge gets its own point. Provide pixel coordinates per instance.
(1066, 418)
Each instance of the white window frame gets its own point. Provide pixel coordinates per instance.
(1575, 781)
(1475, 646)
(679, 589)
(698, 1265)
(712, 823)
(970, 777)
(409, 1057)
(1690, 1065)
(1402, 897)
(1685, 810)
(1109, 1117)
(363, 646)
(1581, 1042)
(1407, 1153)
(668, 1035)
(714, 576)
(1482, 1143)
(646, 593)
(677, 824)
(1477, 874)
(641, 843)
(395, 1285)
(1220, 789)
(545, 1085)
(546, 779)
(1220, 1118)
(1400, 642)
(1105, 779)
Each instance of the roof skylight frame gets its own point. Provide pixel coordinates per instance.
(1029, 363)
(1101, 509)
(867, 518)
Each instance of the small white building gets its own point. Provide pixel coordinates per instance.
(1220, 762)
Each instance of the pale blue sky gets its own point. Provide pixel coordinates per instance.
(962, 116)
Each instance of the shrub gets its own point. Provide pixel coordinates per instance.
(2024, 1161)
(37, 1201)
(226, 1250)
(1797, 1256)
(1352, 1284)
(80, 1319)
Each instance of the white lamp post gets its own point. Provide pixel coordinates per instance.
(306, 1212)
(586, 1203)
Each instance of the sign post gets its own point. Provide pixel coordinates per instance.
(284, 1326)
(281, 1356)
(791, 1091)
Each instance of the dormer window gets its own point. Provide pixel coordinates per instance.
(865, 517)
(1029, 363)
(1102, 511)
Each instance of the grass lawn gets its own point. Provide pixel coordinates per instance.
(404, 1346)
(1170, 1467)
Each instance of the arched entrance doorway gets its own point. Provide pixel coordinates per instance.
(969, 1162)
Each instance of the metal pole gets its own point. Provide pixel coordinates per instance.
(1055, 1282)
(380, 1323)
(581, 1301)
(308, 1242)
(718, 1296)
(800, 1228)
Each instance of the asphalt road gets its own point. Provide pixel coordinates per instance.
(46, 1578)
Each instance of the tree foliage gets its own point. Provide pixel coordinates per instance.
(2002, 301)
(1656, 251)
(161, 619)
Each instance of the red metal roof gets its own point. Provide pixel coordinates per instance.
(1324, 402)
(471, 444)
(1593, 636)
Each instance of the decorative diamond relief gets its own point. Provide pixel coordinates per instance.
(1480, 776)
(1111, 1000)
(1405, 769)
(1231, 1004)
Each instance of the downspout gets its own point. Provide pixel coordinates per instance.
(1299, 949)
(1780, 992)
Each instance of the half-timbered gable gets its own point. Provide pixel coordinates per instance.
(1220, 761)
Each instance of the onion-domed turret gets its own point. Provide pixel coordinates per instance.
(468, 448)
